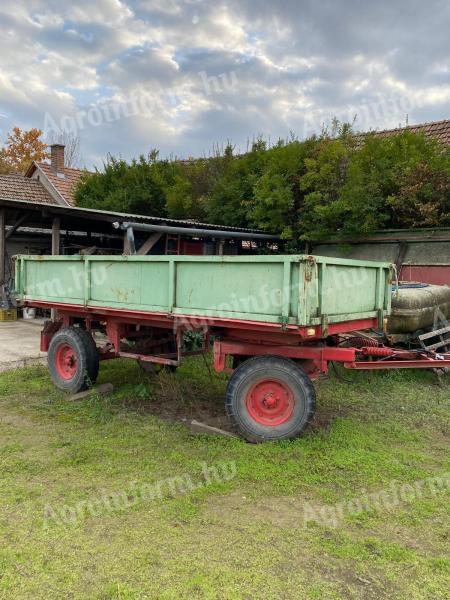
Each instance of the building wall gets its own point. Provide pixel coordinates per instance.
(24, 245)
(425, 261)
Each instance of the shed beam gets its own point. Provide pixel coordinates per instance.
(16, 225)
(148, 244)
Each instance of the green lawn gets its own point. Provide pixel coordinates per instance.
(285, 526)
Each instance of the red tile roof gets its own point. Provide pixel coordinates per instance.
(64, 186)
(439, 130)
(18, 187)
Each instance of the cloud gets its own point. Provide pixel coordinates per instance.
(196, 73)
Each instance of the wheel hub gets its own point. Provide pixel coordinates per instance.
(66, 361)
(270, 402)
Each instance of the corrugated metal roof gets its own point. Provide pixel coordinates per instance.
(109, 216)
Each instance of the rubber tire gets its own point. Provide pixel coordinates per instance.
(259, 368)
(84, 345)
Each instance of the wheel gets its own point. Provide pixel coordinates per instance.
(270, 398)
(73, 359)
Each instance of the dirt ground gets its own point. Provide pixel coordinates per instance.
(19, 343)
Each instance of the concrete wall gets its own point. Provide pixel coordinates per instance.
(424, 261)
(24, 245)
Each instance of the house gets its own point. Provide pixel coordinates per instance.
(58, 180)
(44, 182)
(439, 130)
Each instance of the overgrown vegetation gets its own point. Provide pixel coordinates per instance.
(242, 538)
(337, 183)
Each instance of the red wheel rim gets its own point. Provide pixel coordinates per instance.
(270, 402)
(66, 361)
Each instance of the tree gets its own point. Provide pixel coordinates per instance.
(399, 181)
(5, 168)
(71, 143)
(325, 172)
(124, 187)
(186, 185)
(22, 148)
(335, 185)
(278, 198)
(423, 198)
(233, 180)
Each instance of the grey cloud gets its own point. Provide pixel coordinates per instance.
(223, 70)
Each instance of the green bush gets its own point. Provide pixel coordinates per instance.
(333, 185)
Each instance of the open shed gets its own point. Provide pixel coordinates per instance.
(42, 228)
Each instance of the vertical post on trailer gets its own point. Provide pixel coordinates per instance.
(286, 293)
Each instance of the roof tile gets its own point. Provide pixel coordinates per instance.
(439, 130)
(18, 187)
(64, 185)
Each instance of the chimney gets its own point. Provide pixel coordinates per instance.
(57, 159)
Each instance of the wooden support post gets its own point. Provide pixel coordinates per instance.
(56, 236)
(128, 242)
(219, 247)
(2, 246)
(56, 241)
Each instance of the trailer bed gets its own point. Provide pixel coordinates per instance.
(289, 290)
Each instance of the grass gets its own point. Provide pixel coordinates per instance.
(269, 532)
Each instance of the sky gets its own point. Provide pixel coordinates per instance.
(188, 76)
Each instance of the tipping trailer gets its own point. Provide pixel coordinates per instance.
(276, 323)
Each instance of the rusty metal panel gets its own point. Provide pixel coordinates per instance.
(435, 274)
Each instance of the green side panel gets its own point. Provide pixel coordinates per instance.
(293, 289)
(348, 289)
(47, 280)
(230, 287)
(130, 283)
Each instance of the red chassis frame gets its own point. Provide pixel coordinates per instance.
(241, 338)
